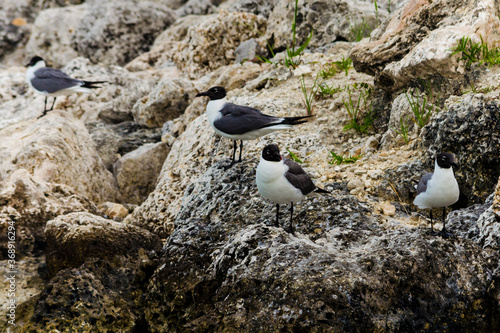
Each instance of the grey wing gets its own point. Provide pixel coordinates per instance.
(239, 119)
(52, 80)
(422, 184)
(298, 177)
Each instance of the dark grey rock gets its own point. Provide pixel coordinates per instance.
(115, 140)
(224, 266)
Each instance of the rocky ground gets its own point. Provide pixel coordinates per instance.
(127, 221)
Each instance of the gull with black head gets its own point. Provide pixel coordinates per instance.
(439, 188)
(238, 122)
(283, 181)
(52, 82)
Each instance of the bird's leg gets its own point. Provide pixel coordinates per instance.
(277, 215)
(432, 223)
(290, 228)
(234, 152)
(234, 156)
(241, 148)
(54, 102)
(443, 231)
(44, 109)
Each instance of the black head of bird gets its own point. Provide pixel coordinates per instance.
(214, 93)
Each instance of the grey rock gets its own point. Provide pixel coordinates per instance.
(232, 270)
(136, 172)
(210, 44)
(196, 7)
(74, 238)
(167, 101)
(116, 32)
(52, 33)
(115, 140)
(246, 50)
(257, 7)
(330, 20)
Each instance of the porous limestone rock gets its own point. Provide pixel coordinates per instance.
(136, 172)
(167, 101)
(226, 267)
(56, 149)
(74, 238)
(116, 32)
(27, 203)
(330, 20)
(211, 45)
(417, 40)
(112, 141)
(52, 33)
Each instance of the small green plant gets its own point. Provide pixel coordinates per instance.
(403, 129)
(340, 159)
(291, 52)
(470, 50)
(266, 60)
(309, 96)
(360, 112)
(376, 13)
(490, 56)
(421, 110)
(294, 157)
(327, 91)
(389, 7)
(345, 64)
(477, 90)
(358, 31)
(331, 69)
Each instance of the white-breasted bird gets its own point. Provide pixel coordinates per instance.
(52, 82)
(238, 122)
(283, 181)
(439, 188)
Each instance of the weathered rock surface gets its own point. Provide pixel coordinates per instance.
(166, 101)
(27, 203)
(417, 40)
(114, 141)
(74, 238)
(211, 45)
(52, 32)
(57, 149)
(115, 33)
(330, 20)
(225, 268)
(136, 172)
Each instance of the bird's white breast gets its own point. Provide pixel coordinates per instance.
(442, 190)
(273, 185)
(30, 73)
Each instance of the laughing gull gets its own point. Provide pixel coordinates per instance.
(439, 188)
(240, 122)
(53, 82)
(283, 181)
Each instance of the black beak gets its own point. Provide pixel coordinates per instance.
(201, 94)
(455, 165)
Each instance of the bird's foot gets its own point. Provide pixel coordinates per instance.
(289, 229)
(432, 232)
(43, 114)
(445, 234)
(227, 167)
